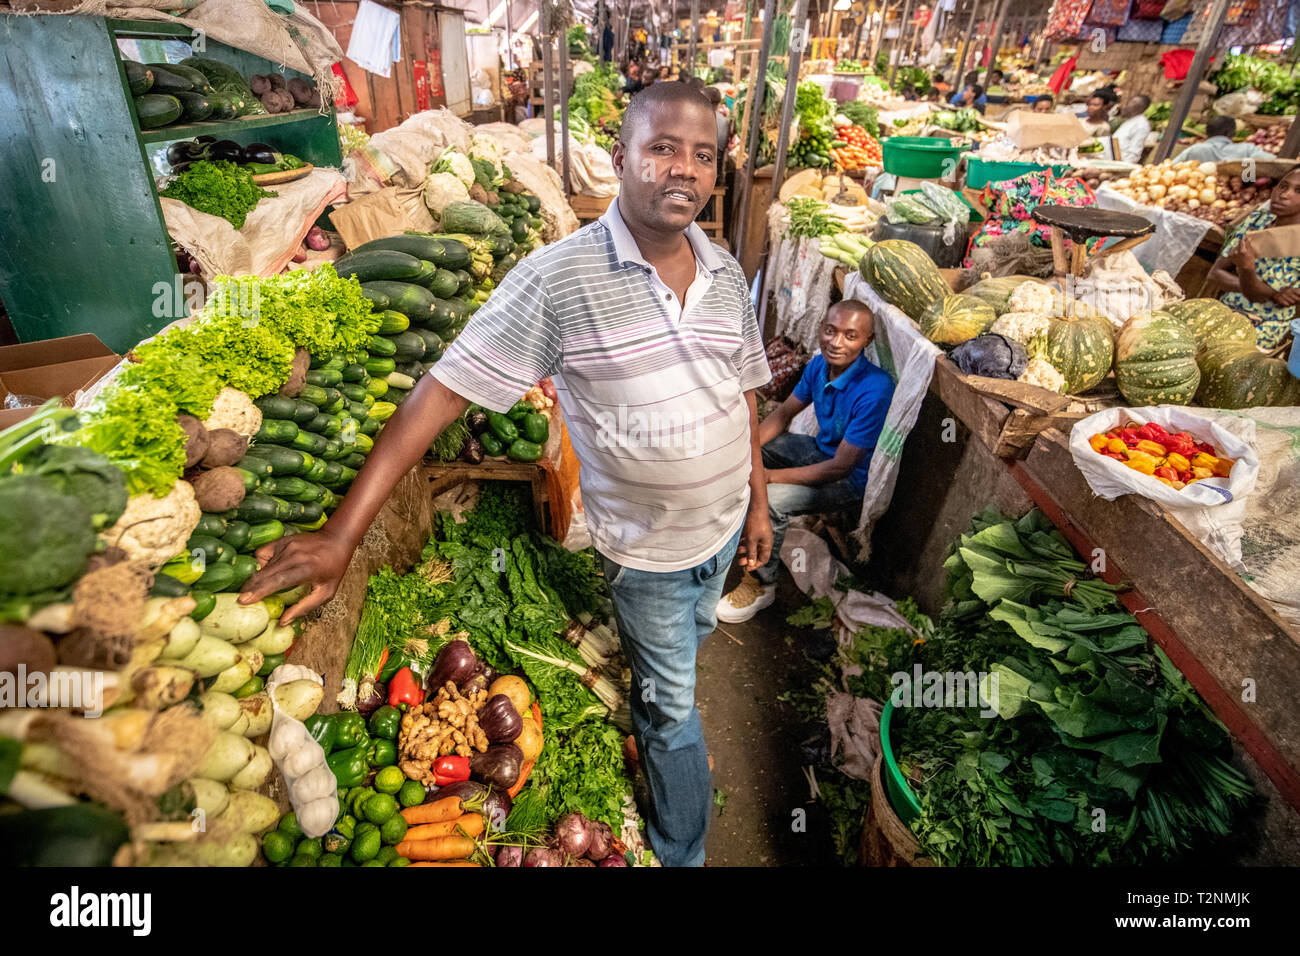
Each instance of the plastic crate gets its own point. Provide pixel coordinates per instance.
(921, 157)
(981, 172)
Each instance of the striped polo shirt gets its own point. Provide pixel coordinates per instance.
(652, 390)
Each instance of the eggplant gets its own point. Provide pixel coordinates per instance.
(371, 703)
(496, 809)
(477, 420)
(185, 152)
(260, 153)
(181, 167)
(457, 663)
(226, 149)
(499, 720)
(473, 451)
(498, 766)
(205, 140)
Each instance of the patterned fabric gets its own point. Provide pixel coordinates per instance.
(1113, 13)
(786, 360)
(1199, 26)
(1146, 10)
(1066, 19)
(1272, 322)
(1240, 12)
(1173, 31)
(1176, 10)
(1141, 31)
(1011, 206)
(1267, 24)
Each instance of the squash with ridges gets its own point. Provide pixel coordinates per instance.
(903, 275)
(1238, 375)
(956, 318)
(1080, 348)
(1211, 321)
(1155, 360)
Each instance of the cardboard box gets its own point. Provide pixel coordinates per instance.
(55, 367)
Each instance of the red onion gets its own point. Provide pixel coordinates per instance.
(614, 859)
(602, 838)
(317, 241)
(510, 856)
(373, 701)
(579, 863)
(300, 255)
(573, 834)
(540, 856)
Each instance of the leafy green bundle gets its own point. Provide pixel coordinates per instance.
(218, 189)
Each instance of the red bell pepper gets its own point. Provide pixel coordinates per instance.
(451, 769)
(405, 689)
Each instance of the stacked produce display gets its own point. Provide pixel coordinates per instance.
(199, 88)
(1197, 189)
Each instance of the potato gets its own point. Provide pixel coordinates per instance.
(515, 689)
(21, 645)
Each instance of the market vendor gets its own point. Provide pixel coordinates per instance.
(1131, 137)
(971, 80)
(973, 97)
(1219, 146)
(1265, 283)
(649, 334)
(1044, 104)
(828, 473)
(1096, 116)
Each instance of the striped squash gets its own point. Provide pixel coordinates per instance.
(903, 275)
(1211, 321)
(955, 318)
(1155, 360)
(996, 290)
(1080, 348)
(1238, 375)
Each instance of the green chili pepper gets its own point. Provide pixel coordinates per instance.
(349, 766)
(385, 722)
(523, 450)
(537, 428)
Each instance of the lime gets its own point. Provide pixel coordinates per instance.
(348, 861)
(309, 847)
(393, 829)
(372, 863)
(386, 855)
(359, 801)
(277, 847)
(303, 860)
(400, 861)
(289, 825)
(411, 794)
(380, 807)
(389, 780)
(365, 846)
(330, 859)
(335, 842)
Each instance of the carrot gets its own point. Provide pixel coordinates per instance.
(443, 863)
(439, 848)
(471, 823)
(440, 811)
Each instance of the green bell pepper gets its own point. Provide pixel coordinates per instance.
(537, 428)
(492, 446)
(351, 728)
(349, 766)
(519, 410)
(502, 427)
(381, 753)
(323, 730)
(523, 450)
(385, 722)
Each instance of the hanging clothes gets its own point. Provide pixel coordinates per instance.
(376, 41)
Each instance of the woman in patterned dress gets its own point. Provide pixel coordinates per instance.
(1266, 288)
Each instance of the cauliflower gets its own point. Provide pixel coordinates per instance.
(1021, 326)
(1032, 297)
(456, 164)
(156, 529)
(485, 147)
(234, 410)
(1042, 373)
(443, 188)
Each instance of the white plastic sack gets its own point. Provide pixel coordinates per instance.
(1212, 509)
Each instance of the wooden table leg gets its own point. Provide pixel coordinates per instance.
(1059, 263)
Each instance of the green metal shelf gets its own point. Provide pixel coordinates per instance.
(226, 129)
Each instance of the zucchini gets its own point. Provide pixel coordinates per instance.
(335, 404)
(292, 488)
(463, 279)
(356, 373)
(377, 264)
(237, 533)
(317, 471)
(359, 411)
(413, 301)
(455, 254)
(412, 370)
(251, 479)
(348, 475)
(166, 586)
(334, 449)
(328, 500)
(304, 411)
(354, 392)
(380, 367)
(245, 567)
(157, 109)
(138, 77)
(409, 346)
(378, 300)
(210, 525)
(308, 442)
(444, 284)
(400, 380)
(277, 406)
(256, 508)
(380, 346)
(324, 377)
(315, 394)
(204, 603)
(257, 465)
(214, 550)
(196, 107)
(217, 577)
(198, 82)
(370, 427)
(391, 321)
(166, 80)
(333, 473)
(428, 272)
(276, 431)
(288, 510)
(283, 461)
(434, 346)
(421, 247)
(325, 425)
(353, 461)
(312, 511)
(224, 106)
(446, 315)
(263, 533)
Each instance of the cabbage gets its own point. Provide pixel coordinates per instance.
(443, 188)
(990, 355)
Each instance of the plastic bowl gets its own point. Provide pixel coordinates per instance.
(900, 794)
(920, 157)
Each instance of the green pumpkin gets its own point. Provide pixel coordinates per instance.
(1080, 348)
(1155, 360)
(1237, 375)
(996, 290)
(1211, 321)
(956, 318)
(904, 276)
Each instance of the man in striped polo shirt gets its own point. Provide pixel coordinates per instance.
(651, 338)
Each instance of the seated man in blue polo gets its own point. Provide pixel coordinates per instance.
(826, 473)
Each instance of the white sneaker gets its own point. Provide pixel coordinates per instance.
(749, 597)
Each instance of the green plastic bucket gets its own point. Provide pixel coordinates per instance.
(981, 172)
(919, 157)
(900, 794)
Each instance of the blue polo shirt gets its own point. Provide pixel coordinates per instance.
(849, 408)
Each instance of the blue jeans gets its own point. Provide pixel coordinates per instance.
(662, 619)
(786, 501)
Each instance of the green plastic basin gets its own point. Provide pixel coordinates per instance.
(981, 172)
(900, 794)
(919, 157)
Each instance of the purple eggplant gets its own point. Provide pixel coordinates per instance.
(260, 153)
(457, 663)
(496, 809)
(471, 793)
(477, 420)
(373, 701)
(498, 766)
(499, 720)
